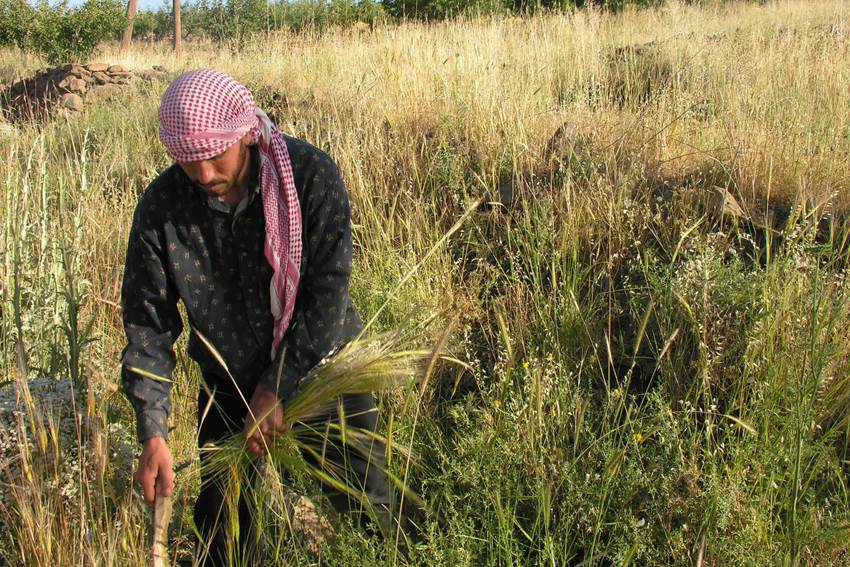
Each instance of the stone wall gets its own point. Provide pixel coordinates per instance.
(66, 87)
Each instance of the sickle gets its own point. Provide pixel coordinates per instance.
(161, 519)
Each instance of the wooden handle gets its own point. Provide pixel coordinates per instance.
(161, 520)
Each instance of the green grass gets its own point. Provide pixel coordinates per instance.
(639, 381)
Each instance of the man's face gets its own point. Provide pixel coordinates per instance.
(224, 175)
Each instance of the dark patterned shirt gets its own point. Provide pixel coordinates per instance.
(185, 246)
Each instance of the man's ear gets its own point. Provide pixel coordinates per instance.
(247, 139)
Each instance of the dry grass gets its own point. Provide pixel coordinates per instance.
(638, 387)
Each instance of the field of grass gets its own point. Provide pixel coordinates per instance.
(645, 379)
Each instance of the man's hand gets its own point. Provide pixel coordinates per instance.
(156, 469)
(264, 421)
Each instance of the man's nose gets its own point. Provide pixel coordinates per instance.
(205, 172)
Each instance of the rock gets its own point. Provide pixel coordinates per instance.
(107, 90)
(121, 74)
(116, 69)
(78, 85)
(725, 205)
(72, 69)
(100, 77)
(73, 84)
(95, 67)
(72, 101)
(80, 72)
(562, 144)
(308, 522)
(150, 75)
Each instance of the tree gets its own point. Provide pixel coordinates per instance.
(178, 38)
(63, 34)
(128, 31)
(16, 18)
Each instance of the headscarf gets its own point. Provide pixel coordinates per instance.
(204, 112)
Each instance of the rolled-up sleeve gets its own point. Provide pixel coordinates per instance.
(151, 322)
(321, 319)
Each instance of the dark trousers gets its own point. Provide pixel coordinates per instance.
(226, 416)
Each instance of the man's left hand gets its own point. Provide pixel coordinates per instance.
(264, 422)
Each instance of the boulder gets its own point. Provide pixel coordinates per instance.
(73, 69)
(94, 67)
(308, 522)
(725, 205)
(72, 101)
(116, 69)
(80, 72)
(100, 77)
(73, 84)
(107, 91)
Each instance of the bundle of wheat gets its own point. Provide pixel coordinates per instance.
(374, 364)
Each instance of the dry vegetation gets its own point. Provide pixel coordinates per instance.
(646, 381)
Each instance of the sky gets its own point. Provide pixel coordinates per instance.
(143, 4)
(151, 4)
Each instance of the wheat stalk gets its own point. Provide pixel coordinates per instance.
(364, 365)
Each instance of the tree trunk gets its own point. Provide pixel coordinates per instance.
(178, 39)
(128, 31)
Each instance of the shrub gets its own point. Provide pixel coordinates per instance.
(151, 25)
(60, 33)
(442, 9)
(13, 14)
(300, 15)
(232, 21)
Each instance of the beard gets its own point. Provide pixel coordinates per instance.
(224, 186)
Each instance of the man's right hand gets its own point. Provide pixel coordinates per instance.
(156, 469)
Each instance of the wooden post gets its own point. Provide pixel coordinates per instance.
(128, 31)
(178, 39)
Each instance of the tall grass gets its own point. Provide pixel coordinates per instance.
(643, 381)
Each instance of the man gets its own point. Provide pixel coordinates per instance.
(251, 230)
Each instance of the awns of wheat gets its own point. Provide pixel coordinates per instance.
(375, 364)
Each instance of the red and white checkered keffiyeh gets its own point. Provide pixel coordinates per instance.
(203, 113)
